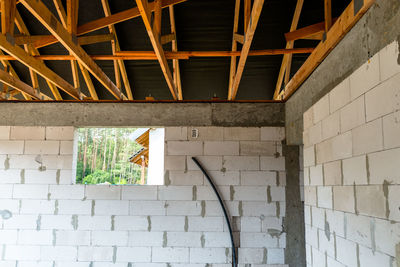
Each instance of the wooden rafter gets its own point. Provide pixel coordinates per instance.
(234, 47)
(16, 83)
(107, 21)
(44, 15)
(328, 14)
(67, 22)
(8, 9)
(119, 65)
(34, 52)
(249, 34)
(175, 62)
(287, 58)
(156, 43)
(314, 32)
(345, 22)
(84, 40)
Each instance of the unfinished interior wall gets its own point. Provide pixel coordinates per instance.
(352, 168)
(55, 223)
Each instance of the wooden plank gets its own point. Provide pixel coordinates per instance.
(8, 9)
(84, 40)
(167, 38)
(328, 14)
(61, 12)
(157, 17)
(89, 82)
(234, 47)
(238, 38)
(16, 83)
(175, 62)
(119, 65)
(44, 15)
(287, 58)
(247, 14)
(107, 21)
(155, 41)
(303, 33)
(338, 30)
(251, 28)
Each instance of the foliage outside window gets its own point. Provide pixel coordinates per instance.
(104, 156)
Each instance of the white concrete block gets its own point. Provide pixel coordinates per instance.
(210, 163)
(318, 218)
(368, 138)
(250, 224)
(250, 193)
(310, 195)
(324, 197)
(146, 239)
(96, 254)
(251, 255)
(221, 148)
(22, 253)
(384, 165)
(109, 238)
(147, 192)
(308, 118)
(185, 178)
(94, 222)
(175, 163)
(40, 177)
(176, 133)
(352, 115)
(67, 191)
(272, 163)
(315, 133)
(216, 240)
(346, 252)
(103, 192)
(111, 207)
(258, 178)
(63, 162)
(188, 208)
(204, 255)
(33, 206)
(170, 254)
(388, 61)
(318, 258)
(272, 133)
(184, 239)
(383, 99)
(242, 133)
(134, 254)
(338, 147)
(275, 256)
(5, 132)
(343, 198)
(56, 222)
(393, 199)
(373, 258)
(60, 133)
(331, 126)
(74, 207)
(309, 156)
(340, 95)
(207, 133)
(365, 77)
(259, 148)
(355, 171)
(257, 240)
(8, 237)
(358, 229)
(256, 208)
(175, 192)
(387, 235)
(37, 264)
(72, 238)
(11, 147)
(311, 234)
(224, 178)
(59, 253)
(321, 109)
(206, 193)
(391, 131)
(66, 147)
(176, 148)
(307, 215)
(27, 133)
(139, 207)
(335, 219)
(21, 222)
(130, 223)
(24, 191)
(210, 224)
(236, 163)
(10, 176)
(333, 173)
(273, 223)
(371, 200)
(316, 175)
(167, 223)
(42, 147)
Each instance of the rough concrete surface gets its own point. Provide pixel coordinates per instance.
(377, 28)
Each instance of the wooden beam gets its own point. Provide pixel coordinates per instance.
(44, 15)
(61, 12)
(167, 38)
(338, 30)
(175, 62)
(84, 40)
(151, 55)
(107, 21)
(328, 14)
(157, 17)
(234, 47)
(8, 9)
(18, 84)
(247, 14)
(119, 65)
(317, 29)
(251, 28)
(289, 45)
(155, 41)
(32, 51)
(238, 38)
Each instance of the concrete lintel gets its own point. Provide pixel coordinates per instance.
(141, 114)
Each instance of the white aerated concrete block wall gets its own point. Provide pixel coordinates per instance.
(352, 169)
(55, 223)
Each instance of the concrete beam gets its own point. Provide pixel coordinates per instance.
(141, 114)
(373, 32)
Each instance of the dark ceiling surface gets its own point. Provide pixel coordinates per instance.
(202, 25)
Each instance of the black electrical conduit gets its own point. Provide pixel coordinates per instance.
(234, 262)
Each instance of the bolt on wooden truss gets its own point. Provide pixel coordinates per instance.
(250, 28)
